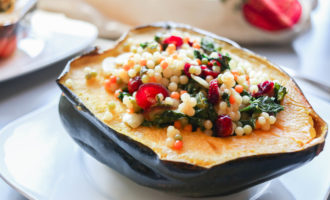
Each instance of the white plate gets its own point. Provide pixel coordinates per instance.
(51, 38)
(40, 160)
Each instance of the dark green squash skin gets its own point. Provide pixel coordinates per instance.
(140, 163)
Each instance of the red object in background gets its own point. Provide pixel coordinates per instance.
(8, 41)
(272, 15)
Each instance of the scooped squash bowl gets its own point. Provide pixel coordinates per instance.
(205, 166)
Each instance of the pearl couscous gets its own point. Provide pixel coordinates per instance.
(187, 83)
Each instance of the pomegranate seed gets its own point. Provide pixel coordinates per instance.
(208, 72)
(177, 41)
(213, 94)
(265, 88)
(186, 69)
(272, 15)
(134, 84)
(146, 94)
(223, 126)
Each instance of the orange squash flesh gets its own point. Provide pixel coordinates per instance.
(297, 127)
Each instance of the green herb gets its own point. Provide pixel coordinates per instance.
(201, 100)
(198, 54)
(207, 45)
(225, 97)
(245, 93)
(263, 104)
(280, 92)
(164, 119)
(203, 109)
(192, 87)
(251, 122)
(157, 38)
(144, 45)
(225, 62)
(122, 94)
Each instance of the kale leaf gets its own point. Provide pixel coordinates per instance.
(225, 62)
(280, 92)
(207, 45)
(263, 104)
(144, 45)
(225, 97)
(192, 87)
(122, 94)
(164, 119)
(251, 122)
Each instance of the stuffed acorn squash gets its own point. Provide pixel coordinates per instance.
(184, 111)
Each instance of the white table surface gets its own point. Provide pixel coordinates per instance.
(310, 54)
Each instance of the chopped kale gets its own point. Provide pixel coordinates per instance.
(201, 100)
(225, 62)
(157, 38)
(144, 45)
(199, 55)
(245, 93)
(166, 118)
(280, 92)
(122, 94)
(263, 104)
(207, 45)
(251, 122)
(192, 87)
(225, 97)
(203, 109)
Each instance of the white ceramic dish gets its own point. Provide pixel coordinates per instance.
(51, 38)
(40, 160)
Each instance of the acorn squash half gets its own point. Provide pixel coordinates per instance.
(206, 166)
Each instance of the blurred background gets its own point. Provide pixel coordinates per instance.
(37, 38)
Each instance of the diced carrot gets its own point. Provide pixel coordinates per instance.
(153, 79)
(164, 64)
(199, 61)
(113, 79)
(175, 95)
(186, 40)
(175, 56)
(170, 48)
(248, 78)
(177, 124)
(117, 93)
(236, 74)
(239, 88)
(196, 45)
(131, 110)
(182, 92)
(178, 144)
(107, 85)
(143, 62)
(232, 99)
(126, 67)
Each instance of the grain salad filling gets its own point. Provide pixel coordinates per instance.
(183, 82)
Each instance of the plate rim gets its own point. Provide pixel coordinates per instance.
(55, 59)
